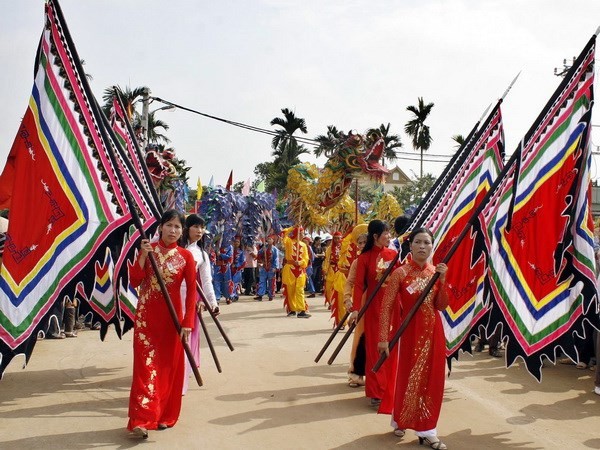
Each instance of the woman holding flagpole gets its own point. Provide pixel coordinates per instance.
(374, 260)
(158, 365)
(193, 240)
(415, 398)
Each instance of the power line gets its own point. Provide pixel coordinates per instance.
(302, 140)
(238, 124)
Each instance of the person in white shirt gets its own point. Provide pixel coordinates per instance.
(193, 241)
(248, 279)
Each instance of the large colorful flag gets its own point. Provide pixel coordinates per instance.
(65, 187)
(139, 182)
(539, 229)
(456, 205)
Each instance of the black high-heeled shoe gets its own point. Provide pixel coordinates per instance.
(437, 445)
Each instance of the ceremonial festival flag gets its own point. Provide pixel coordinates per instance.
(541, 267)
(147, 201)
(472, 181)
(246, 187)
(63, 167)
(229, 184)
(199, 190)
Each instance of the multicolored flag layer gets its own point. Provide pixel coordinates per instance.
(441, 185)
(68, 210)
(539, 231)
(447, 220)
(149, 206)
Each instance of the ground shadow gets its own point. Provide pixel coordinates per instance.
(293, 394)
(328, 372)
(117, 438)
(27, 383)
(464, 439)
(583, 406)
(288, 413)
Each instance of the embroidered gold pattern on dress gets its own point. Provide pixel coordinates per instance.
(417, 404)
(381, 266)
(388, 299)
(170, 263)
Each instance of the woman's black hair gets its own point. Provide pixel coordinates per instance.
(194, 219)
(419, 230)
(170, 214)
(190, 221)
(376, 227)
(401, 224)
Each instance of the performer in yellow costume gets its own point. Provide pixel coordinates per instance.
(293, 274)
(330, 266)
(349, 251)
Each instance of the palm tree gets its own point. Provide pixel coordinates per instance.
(392, 141)
(328, 142)
(284, 144)
(154, 136)
(459, 139)
(128, 97)
(416, 128)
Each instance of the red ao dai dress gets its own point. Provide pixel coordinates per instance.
(415, 399)
(370, 267)
(158, 356)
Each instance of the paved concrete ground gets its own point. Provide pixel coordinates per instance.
(271, 395)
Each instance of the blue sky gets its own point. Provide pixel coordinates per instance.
(353, 64)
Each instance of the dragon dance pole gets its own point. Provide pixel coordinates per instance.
(362, 311)
(356, 202)
(333, 334)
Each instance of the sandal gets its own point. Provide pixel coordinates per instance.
(437, 445)
(353, 380)
(140, 432)
(399, 432)
(581, 365)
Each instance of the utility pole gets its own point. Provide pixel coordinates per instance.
(145, 108)
(565, 69)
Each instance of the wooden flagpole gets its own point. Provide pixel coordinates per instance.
(209, 342)
(213, 315)
(362, 311)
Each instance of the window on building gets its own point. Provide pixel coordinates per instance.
(396, 176)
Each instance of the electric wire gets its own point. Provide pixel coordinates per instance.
(400, 155)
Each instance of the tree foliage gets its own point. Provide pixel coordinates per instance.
(411, 194)
(286, 152)
(459, 139)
